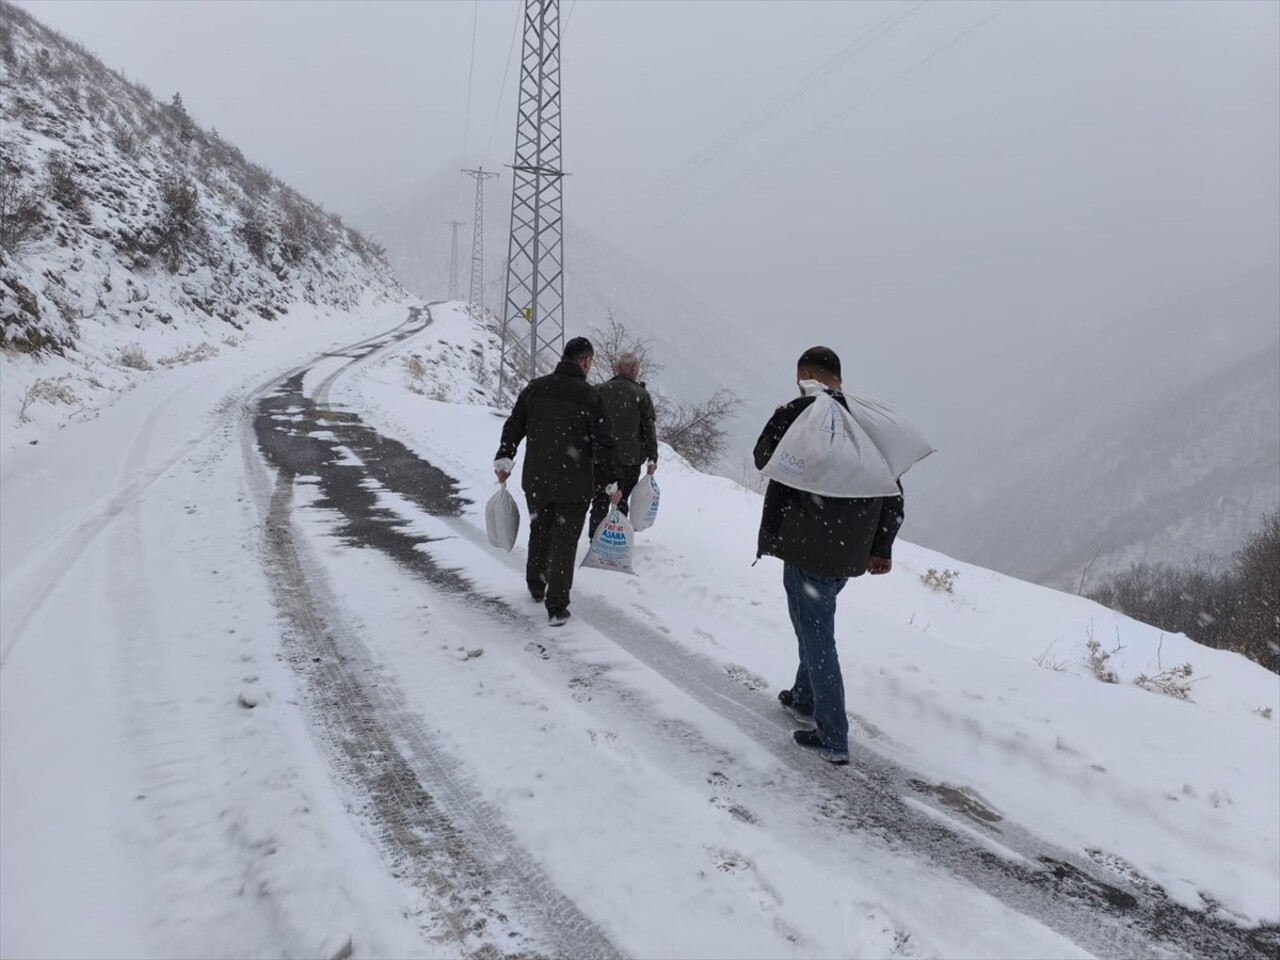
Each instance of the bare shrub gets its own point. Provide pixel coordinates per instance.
(134, 358)
(416, 371)
(253, 230)
(196, 354)
(1234, 608)
(1263, 712)
(697, 431)
(181, 226)
(611, 341)
(125, 140)
(943, 581)
(1050, 662)
(21, 214)
(1099, 660)
(63, 187)
(47, 390)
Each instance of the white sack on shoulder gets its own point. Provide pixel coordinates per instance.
(834, 452)
(644, 503)
(502, 520)
(611, 544)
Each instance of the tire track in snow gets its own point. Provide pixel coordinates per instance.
(1107, 913)
(432, 824)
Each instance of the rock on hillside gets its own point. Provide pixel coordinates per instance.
(120, 217)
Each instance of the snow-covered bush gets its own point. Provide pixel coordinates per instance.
(943, 581)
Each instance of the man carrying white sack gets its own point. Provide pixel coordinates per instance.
(832, 510)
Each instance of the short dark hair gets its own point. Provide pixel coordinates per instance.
(578, 349)
(823, 359)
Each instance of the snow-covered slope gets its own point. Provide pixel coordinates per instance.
(1153, 440)
(133, 239)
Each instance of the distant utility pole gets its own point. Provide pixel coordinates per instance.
(477, 240)
(453, 259)
(533, 313)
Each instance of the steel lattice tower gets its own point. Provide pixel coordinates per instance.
(533, 312)
(477, 240)
(453, 259)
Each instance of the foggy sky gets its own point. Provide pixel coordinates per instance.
(1054, 171)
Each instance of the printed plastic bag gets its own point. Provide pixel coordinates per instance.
(644, 503)
(611, 544)
(834, 452)
(502, 519)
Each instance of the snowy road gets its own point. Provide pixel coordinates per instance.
(277, 683)
(811, 807)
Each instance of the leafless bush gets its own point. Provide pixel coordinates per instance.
(1263, 712)
(697, 431)
(21, 216)
(63, 186)
(253, 230)
(134, 358)
(125, 140)
(181, 226)
(48, 390)
(1099, 660)
(196, 354)
(1175, 682)
(1050, 662)
(611, 341)
(1233, 608)
(416, 371)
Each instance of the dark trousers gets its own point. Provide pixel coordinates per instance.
(554, 529)
(812, 603)
(600, 505)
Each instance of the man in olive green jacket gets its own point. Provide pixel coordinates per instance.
(635, 433)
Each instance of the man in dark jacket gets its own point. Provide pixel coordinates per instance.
(570, 445)
(822, 541)
(635, 433)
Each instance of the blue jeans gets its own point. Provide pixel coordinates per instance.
(812, 603)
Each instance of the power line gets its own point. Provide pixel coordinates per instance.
(502, 90)
(471, 71)
(572, 7)
(748, 125)
(826, 124)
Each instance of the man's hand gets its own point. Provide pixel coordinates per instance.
(615, 493)
(879, 565)
(653, 467)
(502, 468)
(501, 475)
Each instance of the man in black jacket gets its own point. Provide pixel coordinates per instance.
(570, 444)
(822, 541)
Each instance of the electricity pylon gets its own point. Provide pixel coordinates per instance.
(453, 259)
(477, 240)
(533, 311)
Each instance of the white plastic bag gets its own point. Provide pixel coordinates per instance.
(611, 544)
(644, 503)
(502, 519)
(834, 452)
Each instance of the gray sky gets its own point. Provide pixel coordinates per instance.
(971, 201)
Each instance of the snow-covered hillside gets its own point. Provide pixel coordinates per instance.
(132, 239)
(266, 690)
(1154, 440)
